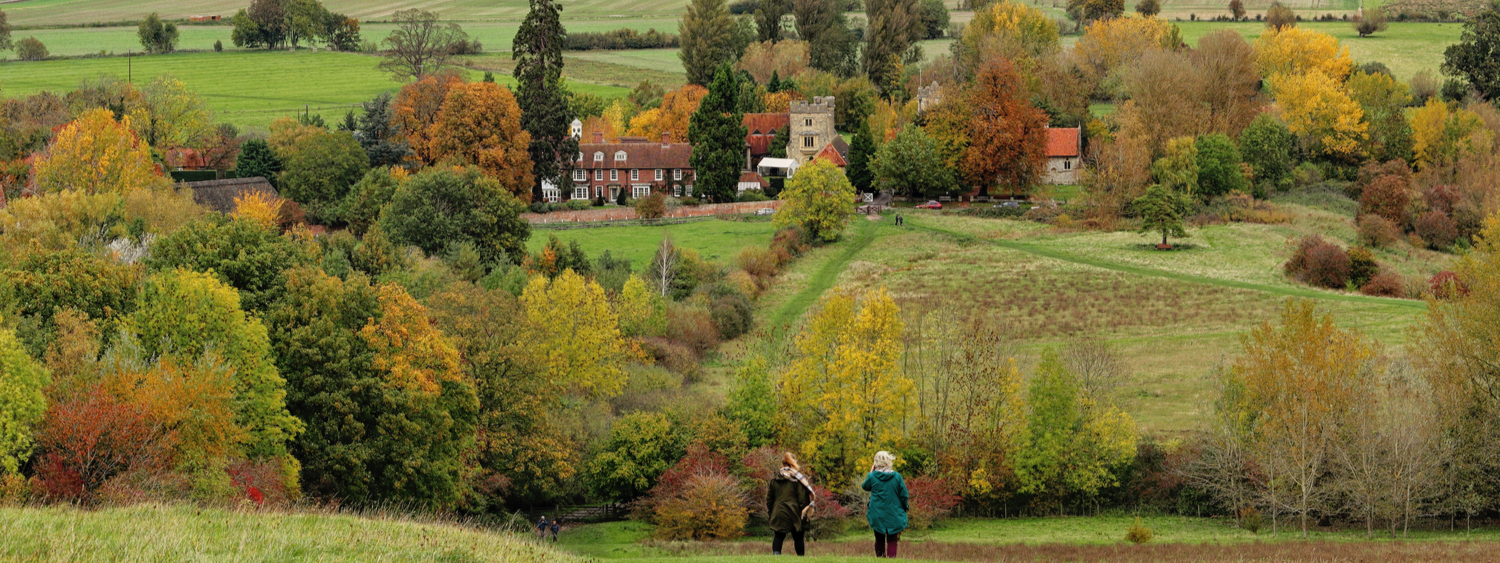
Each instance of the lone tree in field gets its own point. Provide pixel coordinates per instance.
(1161, 210)
(819, 199)
(718, 139)
(1237, 9)
(1148, 8)
(420, 45)
(1473, 57)
(157, 36)
(1278, 16)
(537, 51)
(1370, 22)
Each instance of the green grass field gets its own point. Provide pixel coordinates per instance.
(1407, 48)
(247, 88)
(152, 533)
(716, 240)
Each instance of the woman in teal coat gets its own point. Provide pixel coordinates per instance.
(887, 508)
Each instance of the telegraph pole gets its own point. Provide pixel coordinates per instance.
(130, 66)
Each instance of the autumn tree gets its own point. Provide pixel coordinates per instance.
(1237, 9)
(22, 402)
(419, 45)
(1119, 172)
(1109, 46)
(909, 165)
(577, 333)
(717, 134)
(708, 35)
(672, 116)
(818, 199)
(1007, 137)
(1370, 21)
(96, 154)
(1279, 17)
(1212, 89)
(1148, 8)
(416, 113)
(1094, 10)
(188, 315)
(844, 394)
(389, 411)
(641, 446)
(1299, 380)
(1441, 136)
(894, 26)
(1472, 58)
(1384, 102)
(774, 64)
(1295, 50)
(441, 207)
(1318, 110)
(1073, 445)
(1008, 29)
(480, 125)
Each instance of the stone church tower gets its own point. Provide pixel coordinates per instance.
(811, 128)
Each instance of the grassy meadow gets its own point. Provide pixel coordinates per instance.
(713, 239)
(152, 533)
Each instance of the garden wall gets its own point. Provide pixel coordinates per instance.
(628, 213)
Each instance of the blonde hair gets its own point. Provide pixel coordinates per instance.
(884, 461)
(789, 460)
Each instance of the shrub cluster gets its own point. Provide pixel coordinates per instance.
(620, 39)
(1318, 262)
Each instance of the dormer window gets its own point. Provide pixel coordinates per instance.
(599, 156)
(580, 157)
(619, 155)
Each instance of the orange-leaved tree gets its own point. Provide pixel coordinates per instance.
(1007, 136)
(96, 154)
(480, 124)
(677, 108)
(417, 107)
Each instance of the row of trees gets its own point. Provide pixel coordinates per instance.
(273, 24)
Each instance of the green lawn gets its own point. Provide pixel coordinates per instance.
(1407, 48)
(151, 533)
(55, 12)
(247, 88)
(715, 240)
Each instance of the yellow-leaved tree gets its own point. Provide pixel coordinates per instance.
(1318, 109)
(637, 311)
(1441, 135)
(844, 395)
(263, 208)
(168, 115)
(576, 333)
(817, 199)
(1298, 50)
(1110, 44)
(96, 154)
(1013, 28)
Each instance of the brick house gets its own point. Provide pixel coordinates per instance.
(1064, 155)
(760, 133)
(634, 164)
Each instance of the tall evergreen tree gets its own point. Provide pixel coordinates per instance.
(768, 19)
(257, 159)
(537, 51)
(718, 138)
(894, 26)
(830, 45)
(860, 151)
(377, 132)
(707, 38)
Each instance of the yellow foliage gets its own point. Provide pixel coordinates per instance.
(1299, 50)
(1010, 22)
(262, 208)
(1108, 44)
(162, 210)
(1316, 107)
(844, 394)
(408, 348)
(286, 134)
(618, 116)
(572, 328)
(168, 115)
(194, 401)
(96, 154)
(1442, 136)
(635, 307)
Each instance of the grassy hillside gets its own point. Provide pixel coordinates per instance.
(247, 88)
(151, 533)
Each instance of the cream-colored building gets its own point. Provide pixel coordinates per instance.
(811, 128)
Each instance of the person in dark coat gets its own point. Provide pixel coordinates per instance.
(789, 504)
(555, 527)
(541, 528)
(887, 508)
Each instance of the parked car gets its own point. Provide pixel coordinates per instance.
(1011, 203)
(765, 211)
(930, 205)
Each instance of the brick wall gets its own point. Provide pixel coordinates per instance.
(628, 213)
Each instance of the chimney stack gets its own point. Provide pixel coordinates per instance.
(598, 137)
(666, 139)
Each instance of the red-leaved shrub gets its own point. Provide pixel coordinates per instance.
(1378, 232)
(1446, 285)
(1441, 197)
(1437, 229)
(697, 499)
(1385, 284)
(788, 244)
(1389, 197)
(692, 326)
(90, 438)
(260, 481)
(1374, 171)
(1320, 263)
(672, 355)
(931, 501)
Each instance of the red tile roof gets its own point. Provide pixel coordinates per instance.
(1062, 142)
(831, 154)
(649, 155)
(760, 130)
(752, 177)
(183, 158)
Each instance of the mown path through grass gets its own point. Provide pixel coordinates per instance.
(865, 232)
(1137, 270)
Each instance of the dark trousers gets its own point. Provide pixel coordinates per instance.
(885, 546)
(797, 537)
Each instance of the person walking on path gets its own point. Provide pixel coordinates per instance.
(541, 528)
(887, 508)
(555, 527)
(789, 504)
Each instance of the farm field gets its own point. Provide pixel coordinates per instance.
(1407, 48)
(713, 239)
(150, 533)
(247, 88)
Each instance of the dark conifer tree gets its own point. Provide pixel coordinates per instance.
(718, 139)
(537, 51)
(860, 152)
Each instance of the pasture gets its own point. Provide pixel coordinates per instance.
(713, 239)
(246, 88)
